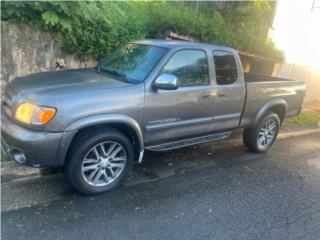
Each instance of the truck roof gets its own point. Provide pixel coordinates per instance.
(180, 43)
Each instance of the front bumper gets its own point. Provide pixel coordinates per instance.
(40, 149)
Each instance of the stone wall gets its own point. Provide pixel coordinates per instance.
(26, 50)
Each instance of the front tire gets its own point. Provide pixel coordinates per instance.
(261, 137)
(99, 160)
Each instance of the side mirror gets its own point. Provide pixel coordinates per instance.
(166, 81)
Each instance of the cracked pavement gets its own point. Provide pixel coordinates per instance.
(212, 191)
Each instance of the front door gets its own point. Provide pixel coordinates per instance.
(187, 111)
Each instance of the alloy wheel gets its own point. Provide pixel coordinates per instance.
(103, 163)
(267, 134)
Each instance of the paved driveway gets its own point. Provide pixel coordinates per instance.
(214, 191)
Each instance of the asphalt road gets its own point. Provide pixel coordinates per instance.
(213, 191)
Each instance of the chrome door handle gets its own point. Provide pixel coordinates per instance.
(222, 94)
(206, 96)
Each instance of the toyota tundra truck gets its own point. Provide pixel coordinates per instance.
(153, 95)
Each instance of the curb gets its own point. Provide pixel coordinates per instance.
(298, 133)
(11, 171)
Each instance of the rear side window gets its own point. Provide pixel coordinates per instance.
(190, 66)
(226, 68)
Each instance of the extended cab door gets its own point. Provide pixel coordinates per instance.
(187, 111)
(230, 90)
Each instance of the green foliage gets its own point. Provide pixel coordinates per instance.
(306, 118)
(84, 28)
(184, 21)
(50, 18)
(96, 27)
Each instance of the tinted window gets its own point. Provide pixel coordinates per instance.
(226, 68)
(133, 61)
(190, 66)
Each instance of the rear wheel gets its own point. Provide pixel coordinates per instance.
(99, 160)
(260, 138)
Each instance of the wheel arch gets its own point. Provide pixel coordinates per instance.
(277, 106)
(125, 124)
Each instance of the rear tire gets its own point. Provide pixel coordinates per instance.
(261, 137)
(99, 160)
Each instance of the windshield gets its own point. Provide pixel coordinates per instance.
(133, 62)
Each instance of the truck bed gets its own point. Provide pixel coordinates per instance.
(252, 77)
(261, 89)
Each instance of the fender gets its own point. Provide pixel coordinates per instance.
(71, 130)
(266, 107)
(108, 118)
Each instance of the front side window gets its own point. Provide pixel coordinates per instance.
(132, 61)
(190, 66)
(226, 68)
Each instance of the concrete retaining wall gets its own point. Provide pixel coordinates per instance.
(27, 50)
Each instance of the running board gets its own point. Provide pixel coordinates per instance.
(189, 142)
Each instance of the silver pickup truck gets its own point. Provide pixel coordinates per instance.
(147, 95)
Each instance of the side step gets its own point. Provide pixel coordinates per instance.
(189, 142)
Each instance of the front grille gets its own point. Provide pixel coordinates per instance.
(7, 102)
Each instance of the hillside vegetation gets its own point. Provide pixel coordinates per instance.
(95, 28)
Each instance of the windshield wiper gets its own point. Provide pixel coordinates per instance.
(118, 74)
(114, 72)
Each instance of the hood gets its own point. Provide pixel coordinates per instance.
(63, 81)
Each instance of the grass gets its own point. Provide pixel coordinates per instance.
(307, 118)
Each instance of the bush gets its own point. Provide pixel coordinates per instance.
(84, 28)
(95, 28)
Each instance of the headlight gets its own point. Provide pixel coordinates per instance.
(33, 114)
